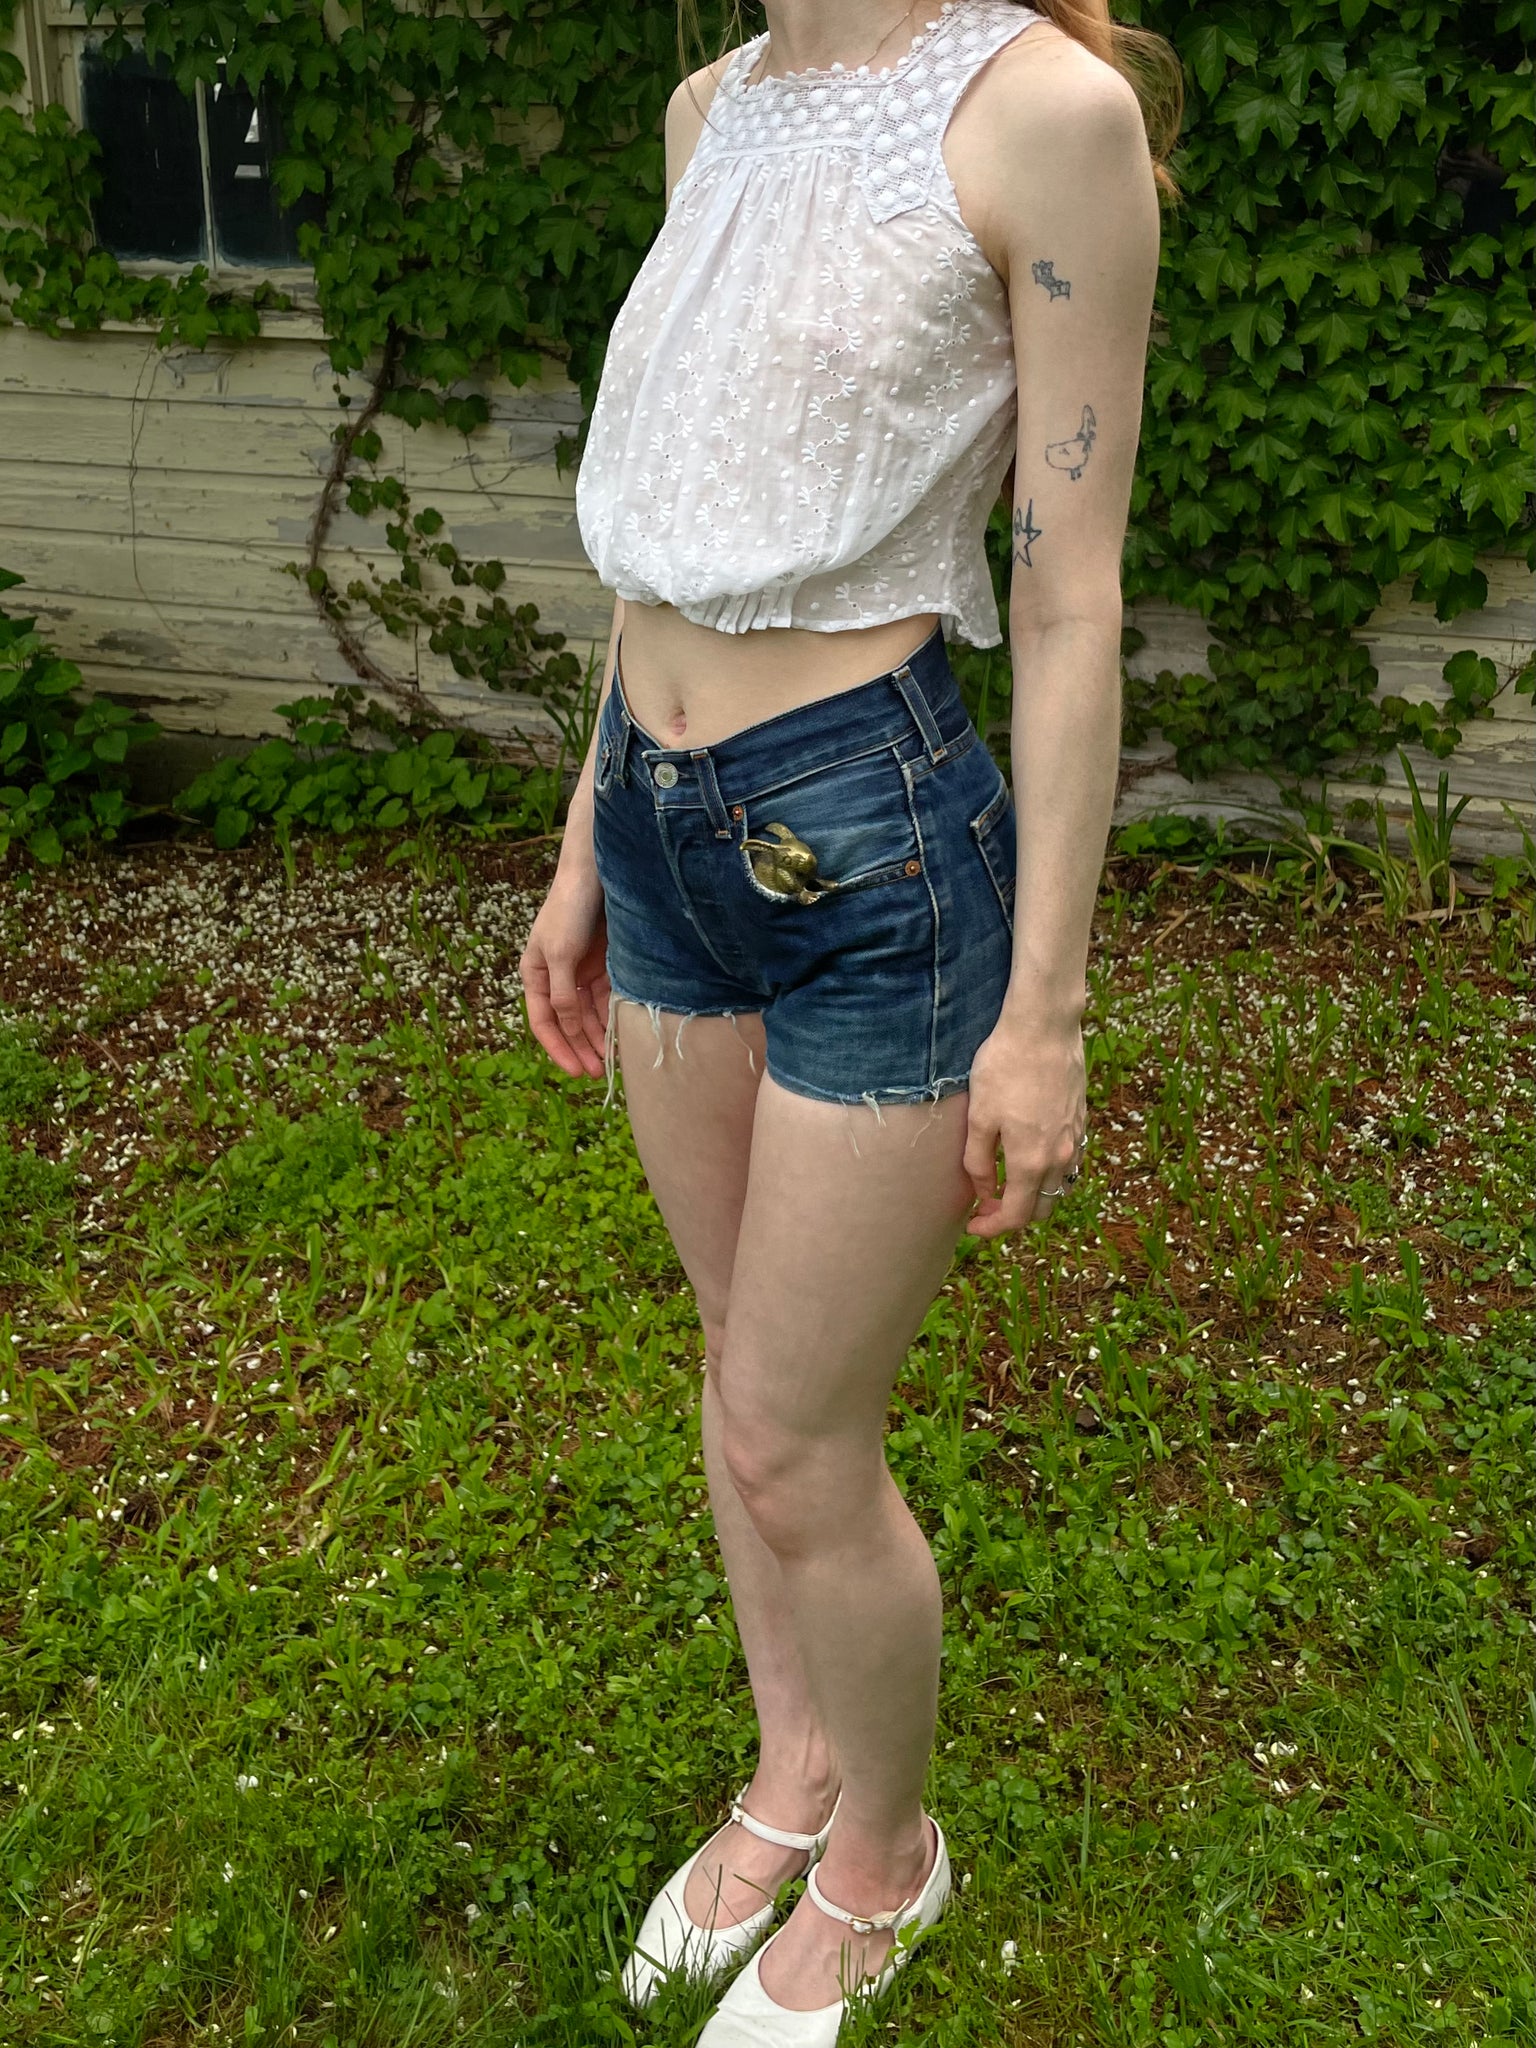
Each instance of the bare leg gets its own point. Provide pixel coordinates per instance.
(692, 1118)
(848, 1226)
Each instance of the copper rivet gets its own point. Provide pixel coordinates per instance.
(914, 867)
(736, 810)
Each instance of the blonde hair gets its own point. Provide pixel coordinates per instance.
(1146, 60)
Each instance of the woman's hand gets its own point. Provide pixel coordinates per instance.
(1029, 1097)
(565, 981)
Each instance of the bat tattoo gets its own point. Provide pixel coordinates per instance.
(1043, 271)
(1025, 532)
(1072, 454)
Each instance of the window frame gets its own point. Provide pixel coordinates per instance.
(56, 30)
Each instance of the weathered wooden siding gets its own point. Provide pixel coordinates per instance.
(1495, 763)
(151, 498)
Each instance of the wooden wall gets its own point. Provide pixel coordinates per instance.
(152, 497)
(1495, 763)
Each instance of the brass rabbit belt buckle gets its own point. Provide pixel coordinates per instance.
(786, 866)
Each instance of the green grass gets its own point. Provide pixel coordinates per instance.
(367, 1659)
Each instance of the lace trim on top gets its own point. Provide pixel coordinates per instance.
(818, 74)
(894, 120)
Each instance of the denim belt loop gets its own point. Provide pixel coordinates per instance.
(709, 788)
(623, 737)
(922, 716)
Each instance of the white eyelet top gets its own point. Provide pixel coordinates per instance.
(808, 403)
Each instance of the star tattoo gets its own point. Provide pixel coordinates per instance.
(1025, 533)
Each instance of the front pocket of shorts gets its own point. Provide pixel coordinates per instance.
(855, 818)
(996, 836)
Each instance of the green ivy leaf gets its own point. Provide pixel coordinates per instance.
(1500, 485)
(1253, 110)
(1383, 93)
(1209, 44)
(1335, 333)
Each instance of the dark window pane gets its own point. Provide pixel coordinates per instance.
(151, 201)
(244, 137)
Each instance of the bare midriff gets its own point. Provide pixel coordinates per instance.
(689, 685)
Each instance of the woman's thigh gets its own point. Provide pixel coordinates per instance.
(814, 1234)
(691, 1111)
(847, 1228)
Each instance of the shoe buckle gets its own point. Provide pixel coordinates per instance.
(861, 1923)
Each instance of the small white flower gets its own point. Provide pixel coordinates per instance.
(1010, 1954)
(471, 1914)
(246, 1782)
(213, 1573)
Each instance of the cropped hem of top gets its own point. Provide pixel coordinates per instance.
(809, 400)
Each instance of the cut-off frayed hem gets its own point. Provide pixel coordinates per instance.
(656, 1011)
(873, 1098)
(877, 1101)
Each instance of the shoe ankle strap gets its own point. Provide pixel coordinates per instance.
(861, 1923)
(786, 1838)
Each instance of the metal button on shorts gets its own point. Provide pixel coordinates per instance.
(666, 775)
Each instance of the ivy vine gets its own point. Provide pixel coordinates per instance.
(1338, 394)
(1341, 396)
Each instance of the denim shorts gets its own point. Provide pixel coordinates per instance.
(846, 870)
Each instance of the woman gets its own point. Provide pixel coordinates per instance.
(905, 249)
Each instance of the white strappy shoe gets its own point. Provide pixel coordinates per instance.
(748, 2018)
(671, 1944)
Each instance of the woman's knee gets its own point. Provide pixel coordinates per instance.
(798, 1491)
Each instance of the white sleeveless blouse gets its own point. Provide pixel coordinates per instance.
(808, 403)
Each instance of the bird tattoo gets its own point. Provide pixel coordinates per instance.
(1072, 454)
(1043, 271)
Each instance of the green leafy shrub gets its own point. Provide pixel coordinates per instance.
(1171, 834)
(290, 1174)
(32, 1191)
(62, 772)
(28, 1081)
(322, 778)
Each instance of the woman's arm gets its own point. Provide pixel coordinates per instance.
(1074, 218)
(565, 981)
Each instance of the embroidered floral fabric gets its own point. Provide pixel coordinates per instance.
(808, 403)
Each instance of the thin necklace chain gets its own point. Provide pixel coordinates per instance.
(903, 17)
